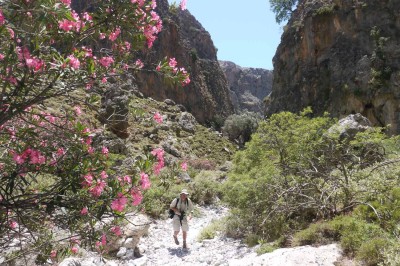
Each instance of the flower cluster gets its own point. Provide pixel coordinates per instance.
(169, 67)
(51, 160)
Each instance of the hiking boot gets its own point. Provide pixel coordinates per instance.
(176, 240)
(184, 244)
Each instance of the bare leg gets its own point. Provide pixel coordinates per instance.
(176, 237)
(184, 233)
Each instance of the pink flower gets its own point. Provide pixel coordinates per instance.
(11, 32)
(158, 118)
(184, 166)
(74, 249)
(186, 81)
(159, 153)
(158, 67)
(53, 254)
(2, 20)
(144, 178)
(116, 230)
(114, 35)
(183, 5)
(87, 17)
(97, 189)
(153, 4)
(18, 159)
(60, 151)
(66, 25)
(136, 196)
(139, 63)
(103, 175)
(119, 203)
(34, 63)
(66, 2)
(104, 150)
(84, 211)
(87, 181)
(127, 179)
(74, 62)
(91, 150)
(78, 110)
(36, 157)
(106, 61)
(172, 62)
(13, 224)
(1, 57)
(157, 167)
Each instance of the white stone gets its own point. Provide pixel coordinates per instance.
(121, 252)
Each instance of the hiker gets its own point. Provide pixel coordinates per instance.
(183, 208)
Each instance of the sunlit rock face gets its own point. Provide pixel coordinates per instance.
(330, 59)
(183, 37)
(248, 86)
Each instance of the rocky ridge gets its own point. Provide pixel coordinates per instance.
(184, 38)
(248, 86)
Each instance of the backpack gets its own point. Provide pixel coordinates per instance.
(171, 213)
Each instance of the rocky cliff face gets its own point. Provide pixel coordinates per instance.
(341, 56)
(248, 86)
(183, 37)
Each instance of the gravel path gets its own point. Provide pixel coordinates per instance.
(160, 249)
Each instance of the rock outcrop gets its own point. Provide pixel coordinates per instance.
(248, 86)
(183, 37)
(340, 56)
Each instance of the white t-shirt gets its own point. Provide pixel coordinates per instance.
(183, 205)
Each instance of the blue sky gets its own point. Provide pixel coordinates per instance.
(244, 32)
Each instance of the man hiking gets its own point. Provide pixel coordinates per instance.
(183, 208)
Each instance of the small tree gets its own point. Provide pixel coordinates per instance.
(239, 127)
(283, 9)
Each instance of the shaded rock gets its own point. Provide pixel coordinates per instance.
(185, 177)
(115, 108)
(349, 126)
(136, 226)
(169, 102)
(171, 150)
(187, 122)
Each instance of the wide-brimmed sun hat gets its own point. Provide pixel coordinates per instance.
(184, 191)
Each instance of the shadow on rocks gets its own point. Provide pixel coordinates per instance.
(179, 252)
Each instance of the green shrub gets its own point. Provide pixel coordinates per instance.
(371, 251)
(319, 233)
(365, 241)
(240, 127)
(252, 240)
(205, 189)
(296, 170)
(391, 253)
(211, 230)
